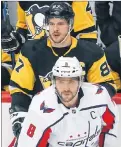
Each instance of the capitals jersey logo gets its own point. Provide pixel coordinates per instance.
(45, 108)
(35, 20)
(99, 90)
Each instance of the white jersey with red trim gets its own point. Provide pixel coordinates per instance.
(50, 122)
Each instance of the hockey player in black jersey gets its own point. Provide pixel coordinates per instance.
(30, 18)
(32, 72)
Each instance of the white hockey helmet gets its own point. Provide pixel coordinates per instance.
(67, 67)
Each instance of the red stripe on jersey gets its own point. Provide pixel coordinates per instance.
(12, 144)
(101, 140)
(108, 118)
(44, 140)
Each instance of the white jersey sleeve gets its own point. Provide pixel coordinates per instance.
(33, 131)
(110, 119)
(36, 127)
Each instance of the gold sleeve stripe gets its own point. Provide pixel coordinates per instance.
(15, 90)
(89, 35)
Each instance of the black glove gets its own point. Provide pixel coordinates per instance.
(11, 41)
(17, 125)
(17, 119)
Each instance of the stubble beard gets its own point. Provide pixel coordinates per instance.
(57, 41)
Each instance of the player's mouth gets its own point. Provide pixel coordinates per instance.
(56, 34)
(66, 93)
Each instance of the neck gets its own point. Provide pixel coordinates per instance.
(72, 103)
(64, 43)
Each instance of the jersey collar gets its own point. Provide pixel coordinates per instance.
(73, 45)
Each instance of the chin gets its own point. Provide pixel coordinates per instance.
(67, 99)
(56, 41)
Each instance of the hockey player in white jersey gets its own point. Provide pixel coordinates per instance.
(70, 112)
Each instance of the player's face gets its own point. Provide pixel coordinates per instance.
(67, 88)
(58, 29)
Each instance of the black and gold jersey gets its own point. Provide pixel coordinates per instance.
(32, 72)
(6, 68)
(31, 17)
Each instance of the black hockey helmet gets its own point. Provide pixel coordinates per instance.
(59, 10)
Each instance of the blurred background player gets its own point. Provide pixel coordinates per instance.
(113, 55)
(108, 16)
(109, 21)
(70, 102)
(10, 47)
(32, 72)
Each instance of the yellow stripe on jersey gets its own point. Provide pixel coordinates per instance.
(23, 75)
(89, 35)
(12, 91)
(100, 72)
(50, 46)
(73, 45)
